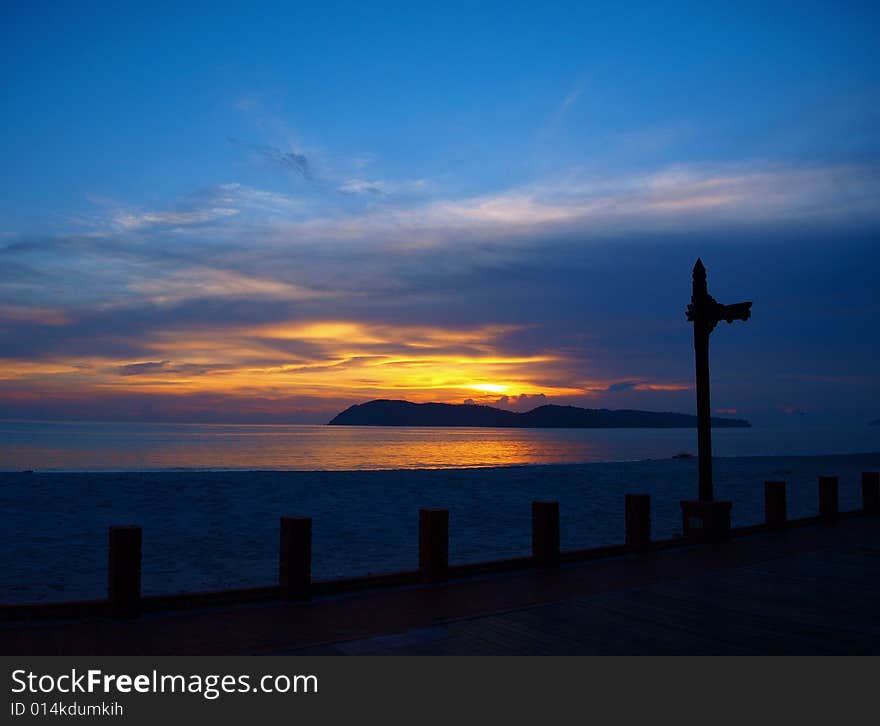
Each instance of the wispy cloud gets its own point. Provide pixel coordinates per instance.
(557, 118)
(250, 243)
(684, 196)
(133, 221)
(290, 160)
(248, 199)
(486, 296)
(620, 386)
(570, 100)
(362, 186)
(206, 282)
(623, 386)
(34, 314)
(209, 206)
(168, 368)
(293, 160)
(381, 187)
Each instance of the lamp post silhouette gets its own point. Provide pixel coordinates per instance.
(705, 518)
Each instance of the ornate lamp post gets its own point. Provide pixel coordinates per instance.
(705, 518)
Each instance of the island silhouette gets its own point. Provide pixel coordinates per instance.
(384, 412)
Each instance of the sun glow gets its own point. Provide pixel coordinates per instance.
(489, 387)
(310, 359)
(317, 365)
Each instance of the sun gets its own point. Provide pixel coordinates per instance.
(489, 387)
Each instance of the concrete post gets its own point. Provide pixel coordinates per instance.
(545, 533)
(638, 519)
(124, 571)
(295, 558)
(434, 544)
(828, 500)
(871, 492)
(775, 514)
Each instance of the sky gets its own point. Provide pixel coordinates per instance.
(266, 213)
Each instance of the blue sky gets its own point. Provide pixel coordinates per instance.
(517, 189)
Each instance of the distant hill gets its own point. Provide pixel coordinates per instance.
(403, 413)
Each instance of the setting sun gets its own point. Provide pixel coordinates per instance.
(489, 387)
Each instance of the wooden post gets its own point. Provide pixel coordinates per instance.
(545, 533)
(434, 544)
(775, 514)
(828, 507)
(638, 519)
(871, 492)
(295, 558)
(124, 571)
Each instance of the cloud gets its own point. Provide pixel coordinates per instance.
(244, 198)
(645, 386)
(315, 359)
(293, 160)
(362, 186)
(522, 402)
(206, 282)
(558, 117)
(382, 188)
(675, 198)
(129, 221)
(136, 369)
(215, 208)
(570, 100)
(794, 410)
(38, 315)
(290, 160)
(570, 286)
(166, 367)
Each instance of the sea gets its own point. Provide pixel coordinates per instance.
(209, 497)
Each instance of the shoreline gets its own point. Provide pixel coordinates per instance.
(569, 464)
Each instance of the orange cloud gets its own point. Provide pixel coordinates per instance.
(332, 359)
(662, 387)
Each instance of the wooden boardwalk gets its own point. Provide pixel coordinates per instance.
(813, 589)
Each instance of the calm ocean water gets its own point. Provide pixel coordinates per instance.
(363, 487)
(77, 446)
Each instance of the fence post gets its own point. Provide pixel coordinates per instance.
(871, 492)
(638, 519)
(828, 503)
(295, 558)
(434, 544)
(545, 533)
(124, 571)
(775, 510)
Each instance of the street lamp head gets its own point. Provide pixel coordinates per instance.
(737, 311)
(700, 286)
